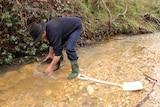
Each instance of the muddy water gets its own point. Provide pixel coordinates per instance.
(120, 59)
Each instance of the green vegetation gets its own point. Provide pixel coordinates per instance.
(101, 19)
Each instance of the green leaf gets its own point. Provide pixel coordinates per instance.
(44, 47)
(9, 58)
(22, 32)
(4, 52)
(13, 38)
(9, 24)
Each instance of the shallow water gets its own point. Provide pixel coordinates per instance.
(120, 59)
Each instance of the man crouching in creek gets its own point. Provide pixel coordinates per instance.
(58, 31)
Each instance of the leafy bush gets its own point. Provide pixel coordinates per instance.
(16, 19)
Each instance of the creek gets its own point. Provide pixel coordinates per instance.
(119, 59)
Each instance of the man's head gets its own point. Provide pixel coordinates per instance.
(37, 30)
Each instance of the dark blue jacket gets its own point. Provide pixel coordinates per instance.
(59, 29)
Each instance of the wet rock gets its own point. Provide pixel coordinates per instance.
(60, 105)
(81, 87)
(90, 89)
(101, 99)
(2, 83)
(94, 96)
(71, 99)
(85, 95)
(48, 92)
(110, 105)
(67, 95)
(79, 98)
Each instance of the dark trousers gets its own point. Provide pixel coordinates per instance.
(71, 44)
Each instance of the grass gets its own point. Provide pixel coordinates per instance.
(132, 11)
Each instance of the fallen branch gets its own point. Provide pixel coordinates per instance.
(149, 78)
(148, 95)
(145, 98)
(125, 11)
(107, 10)
(123, 14)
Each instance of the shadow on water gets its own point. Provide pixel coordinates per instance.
(120, 59)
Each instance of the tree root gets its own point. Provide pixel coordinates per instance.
(150, 79)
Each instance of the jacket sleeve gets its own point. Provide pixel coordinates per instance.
(56, 43)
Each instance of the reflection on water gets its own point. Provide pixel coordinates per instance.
(120, 59)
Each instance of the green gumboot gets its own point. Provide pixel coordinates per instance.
(75, 70)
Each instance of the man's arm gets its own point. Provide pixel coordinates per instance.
(55, 60)
(50, 53)
(52, 65)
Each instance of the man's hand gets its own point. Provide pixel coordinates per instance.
(49, 69)
(48, 58)
(47, 61)
(50, 54)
